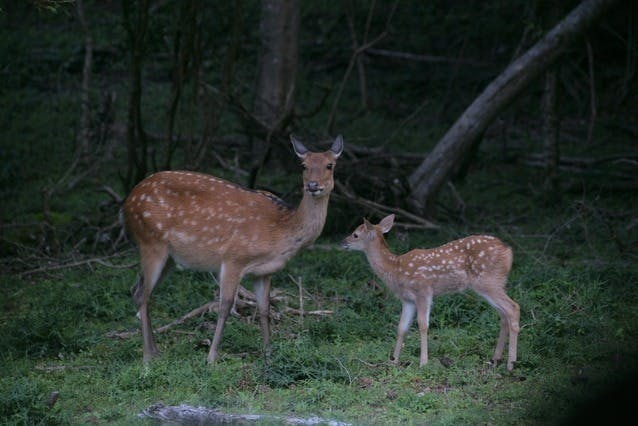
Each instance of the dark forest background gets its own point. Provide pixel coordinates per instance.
(516, 118)
(98, 95)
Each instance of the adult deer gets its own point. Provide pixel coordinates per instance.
(206, 223)
(479, 262)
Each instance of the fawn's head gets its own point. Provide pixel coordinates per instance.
(366, 233)
(318, 166)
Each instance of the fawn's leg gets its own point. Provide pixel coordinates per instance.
(407, 316)
(509, 313)
(424, 304)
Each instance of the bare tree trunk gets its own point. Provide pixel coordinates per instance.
(136, 24)
(429, 177)
(279, 29)
(274, 102)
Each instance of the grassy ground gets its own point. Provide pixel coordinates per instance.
(578, 338)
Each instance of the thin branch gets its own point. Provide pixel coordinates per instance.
(117, 198)
(345, 193)
(320, 312)
(300, 287)
(208, 307)
(75, 264)
(592, 92)
(425, 58)
(353, 60)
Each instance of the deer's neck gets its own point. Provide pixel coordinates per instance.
(307, 220)
(382, 261)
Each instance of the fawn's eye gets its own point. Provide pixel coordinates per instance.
(355, 235)
(329, 166)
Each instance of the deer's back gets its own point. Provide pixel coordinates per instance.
(200, 217)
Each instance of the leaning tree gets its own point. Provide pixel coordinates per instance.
(428, 178)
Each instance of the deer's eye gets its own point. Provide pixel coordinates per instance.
(329, 166)
(355, 235)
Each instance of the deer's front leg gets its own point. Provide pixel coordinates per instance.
(407, 316)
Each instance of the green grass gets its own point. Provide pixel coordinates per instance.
(578, 336)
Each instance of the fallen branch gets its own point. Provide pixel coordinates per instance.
(208, 307)
(346, 194)
(320, 312)
(186, 414)
(75, 264)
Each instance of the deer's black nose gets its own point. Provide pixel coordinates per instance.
(313, 186)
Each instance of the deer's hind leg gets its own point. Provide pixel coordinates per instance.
(229, 278)
(424, 306)
(261, 288)
(155, 266)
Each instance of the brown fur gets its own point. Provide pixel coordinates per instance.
(206, 223)
(479, 262)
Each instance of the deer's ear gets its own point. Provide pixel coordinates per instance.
(299, 148)
(337, 146)
(386, 223)
(367, 225)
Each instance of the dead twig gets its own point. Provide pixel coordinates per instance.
(353, 60)
(117, 198)
(208, 307)
(300, 287)
(319, 312)
(75, 264)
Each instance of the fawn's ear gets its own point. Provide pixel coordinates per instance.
(386, 223)
(299, 148)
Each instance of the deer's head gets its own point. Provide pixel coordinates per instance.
(318, 180)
